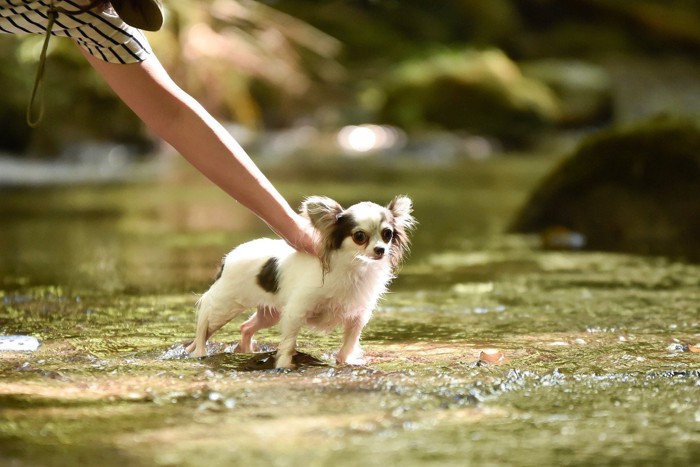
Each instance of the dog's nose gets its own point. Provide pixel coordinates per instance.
(379, 250)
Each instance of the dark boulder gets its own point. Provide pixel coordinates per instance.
(634, 189)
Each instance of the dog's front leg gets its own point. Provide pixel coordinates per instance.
(290, 325)
(351, 353)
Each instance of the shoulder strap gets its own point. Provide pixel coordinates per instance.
(141, 14)
(33, 119)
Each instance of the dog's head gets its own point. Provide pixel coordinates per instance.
(368, 230)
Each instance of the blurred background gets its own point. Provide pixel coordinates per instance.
(497, 75)
(576, 121)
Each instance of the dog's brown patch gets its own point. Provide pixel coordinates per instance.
(268, 277)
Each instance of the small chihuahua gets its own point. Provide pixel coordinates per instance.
(361, 250)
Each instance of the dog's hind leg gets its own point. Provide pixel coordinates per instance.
(264, 317)
(198, 347)
(211, 316)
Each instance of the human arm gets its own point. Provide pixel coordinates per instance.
(180, 120)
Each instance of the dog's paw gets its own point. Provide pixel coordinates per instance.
(196, 351)
(244, 347)
(351, 360)
(284, 362)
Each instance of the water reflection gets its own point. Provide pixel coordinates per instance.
(150, 236)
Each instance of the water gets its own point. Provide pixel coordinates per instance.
(599, 363)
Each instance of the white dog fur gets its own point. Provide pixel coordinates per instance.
(361, 249)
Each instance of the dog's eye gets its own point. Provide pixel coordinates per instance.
(387, 235)
(359, 237)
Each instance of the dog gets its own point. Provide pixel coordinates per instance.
(361, 250)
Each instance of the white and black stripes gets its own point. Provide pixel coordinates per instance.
(101, 33)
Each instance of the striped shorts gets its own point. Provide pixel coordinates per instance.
(101, 33)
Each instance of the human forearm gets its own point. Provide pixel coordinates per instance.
(215, 153)
(181, 121)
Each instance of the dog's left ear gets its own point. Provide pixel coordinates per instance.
(401, 207)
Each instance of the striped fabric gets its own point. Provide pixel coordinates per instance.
(103, 34)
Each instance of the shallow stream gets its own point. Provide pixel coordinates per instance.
(600, 363)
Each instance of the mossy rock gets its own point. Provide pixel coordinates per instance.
(633, 189)
(481, 92)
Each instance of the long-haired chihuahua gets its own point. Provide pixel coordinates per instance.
(361, 249)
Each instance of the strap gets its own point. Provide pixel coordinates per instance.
(32, 119)
(34, 116)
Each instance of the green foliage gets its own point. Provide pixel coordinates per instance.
(479, 91)
(13, 76)
(78, 105)
(220, 51)
(271, 63)
(379, 32)
(233, 55)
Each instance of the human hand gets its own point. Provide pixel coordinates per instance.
(309, 239)
(302, 236)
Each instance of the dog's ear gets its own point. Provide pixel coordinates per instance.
(401, 208)
(323, 212)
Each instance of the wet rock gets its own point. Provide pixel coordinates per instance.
(481, 92)
(18, 343)
(678, 347)
(490, 357)
(561, 238)
(631, 189)
(266, 361)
